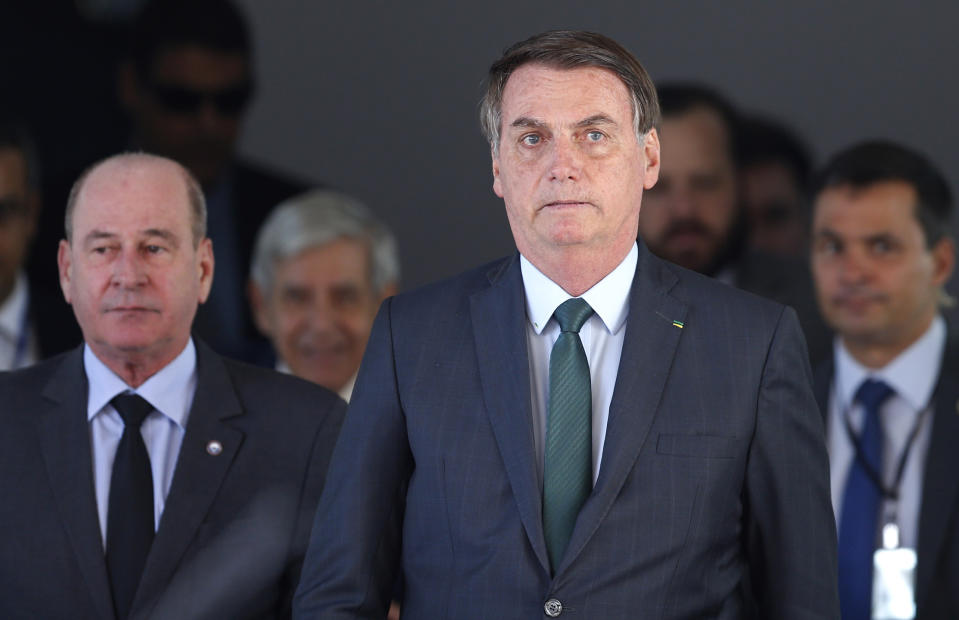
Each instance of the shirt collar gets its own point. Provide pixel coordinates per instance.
(11, 311)
(609, 298)
(344, 392)
(912, 374)
(170, 390)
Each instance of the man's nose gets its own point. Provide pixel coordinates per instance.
(128, 269)
(567, 160)
(682, 203)
(854, 267)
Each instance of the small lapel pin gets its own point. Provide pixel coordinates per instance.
(214, 448)
(678, 324)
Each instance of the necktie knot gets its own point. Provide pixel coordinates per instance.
(572, 313)
(873, 393)
(133, 408)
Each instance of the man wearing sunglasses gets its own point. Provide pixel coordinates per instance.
(186, 85)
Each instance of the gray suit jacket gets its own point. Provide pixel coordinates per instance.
(712, 498)
(937, 571)
(235, 526)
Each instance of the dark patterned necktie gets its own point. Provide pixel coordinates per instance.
(567, 479)
(860, 508)
(130, 513)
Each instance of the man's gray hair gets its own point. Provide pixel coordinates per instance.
(315, 219)
(570, 49)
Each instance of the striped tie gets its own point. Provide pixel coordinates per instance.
(568, 470)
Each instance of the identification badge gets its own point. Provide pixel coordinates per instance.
(894, 578)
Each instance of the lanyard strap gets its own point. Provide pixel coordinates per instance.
(22, 338)
(891, 492)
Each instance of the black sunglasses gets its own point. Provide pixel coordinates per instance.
(180, 100)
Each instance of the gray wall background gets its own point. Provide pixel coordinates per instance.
(380, 98)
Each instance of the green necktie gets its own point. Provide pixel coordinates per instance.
(568, 472)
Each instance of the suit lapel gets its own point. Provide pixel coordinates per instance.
(648, 349)
(198, 474)
(940, 482)
(822, 383)
(498, 315)
(65, 444)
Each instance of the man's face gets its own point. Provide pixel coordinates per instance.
(773, 200)
(876, 281)
(688, 218)
(190, 107)
(131, 271)
(18, 213)
(320, 311)
(569, 167)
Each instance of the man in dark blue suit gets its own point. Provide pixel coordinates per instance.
(582, 428)
(882, 251)
(144, 475)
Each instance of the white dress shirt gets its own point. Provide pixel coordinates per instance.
(170, 391)
(344, 392)
(912, 374)
(602, 337)
(18, 346)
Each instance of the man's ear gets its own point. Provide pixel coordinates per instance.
(651, 150)
(497, 183)
(944, 257)
(205, 268)
(65, 267)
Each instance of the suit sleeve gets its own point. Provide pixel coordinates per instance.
(354, 549)
(313, 481)
(790, 529)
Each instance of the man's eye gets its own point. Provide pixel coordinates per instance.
(154, 249)
(595, 136)
(828, 247)
(531, 139)
(881, 246)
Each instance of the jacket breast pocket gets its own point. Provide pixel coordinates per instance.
(702, 446)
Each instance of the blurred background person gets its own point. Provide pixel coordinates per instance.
(185, 83)
(774, 171)
(29, 328)
(882, 251)
(694, 216)
(322, 265)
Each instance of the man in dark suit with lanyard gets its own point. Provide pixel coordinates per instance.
(881, 253)
(143, 475)
(581, 428)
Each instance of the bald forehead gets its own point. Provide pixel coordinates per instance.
(153, 188)
(133, 172)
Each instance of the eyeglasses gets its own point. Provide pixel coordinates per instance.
(180, 100)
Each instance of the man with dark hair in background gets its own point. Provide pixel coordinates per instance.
(881, 252)
(774, 171)
(580, 428)
(30, 328)
(694, 215)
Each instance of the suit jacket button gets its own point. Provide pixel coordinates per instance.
(553, 608)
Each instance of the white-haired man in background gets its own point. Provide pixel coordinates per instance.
(322, 265)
